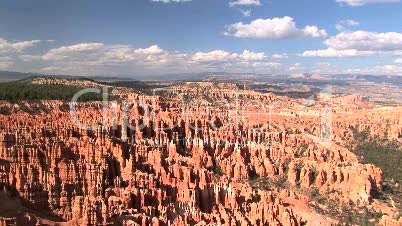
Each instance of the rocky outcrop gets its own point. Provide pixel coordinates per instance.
(153, 165)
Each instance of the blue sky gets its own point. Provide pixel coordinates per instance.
(181, 36)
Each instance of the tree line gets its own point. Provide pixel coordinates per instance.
(24, 90)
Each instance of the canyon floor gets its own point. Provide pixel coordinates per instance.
(196, 153)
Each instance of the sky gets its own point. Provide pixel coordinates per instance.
(156, 37)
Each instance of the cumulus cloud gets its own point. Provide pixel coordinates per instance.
(99, 58)
(360, 43)
(9, 50)
(6, 46)
(327, 68)
(68, 51)
(314, 32)
(155, 49)
(275, 28)
(245, 2)
(376, 70)
(250, 56)
(236, 62)
(216, 55)
(279, 56)
(364, 2)
(330, 52)
(398, 61)
(364, 40)
(221, 55)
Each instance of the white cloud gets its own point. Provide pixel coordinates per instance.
(360, 43)
(330, 52)
(276, 28)
(279, 56)
(216, 55)
(150, 50)
(326, 68)
(250, 56)
(245, 2)
(68, 51)
(247, 61)
(376, 70)
(398, 61)
(364, 2)
(6, 46)
(99, 58)
(314, 32)
(364, 40)
(221, 55)
(341, 24)
(8, 50)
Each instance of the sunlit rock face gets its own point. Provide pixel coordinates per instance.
(225, 160)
